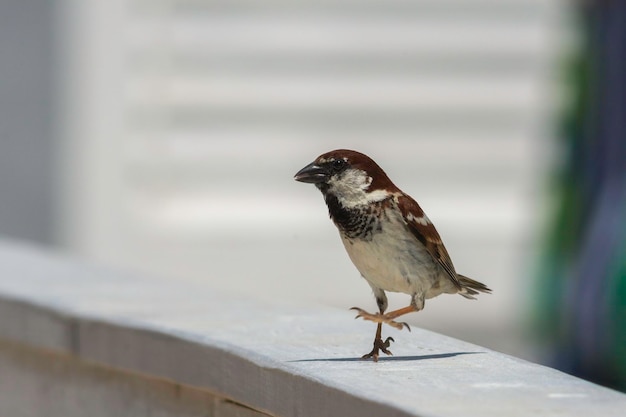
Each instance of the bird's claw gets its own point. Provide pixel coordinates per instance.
(384, 347)
(379, 345)
(380, 318)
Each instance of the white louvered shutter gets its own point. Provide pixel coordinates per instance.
(186, 120)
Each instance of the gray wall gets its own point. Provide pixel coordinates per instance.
(27, 118)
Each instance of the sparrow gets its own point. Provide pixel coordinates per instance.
(388, 237)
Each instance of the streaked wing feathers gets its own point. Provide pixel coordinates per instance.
(421, 227)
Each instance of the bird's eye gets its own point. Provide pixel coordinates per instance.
(338, 163)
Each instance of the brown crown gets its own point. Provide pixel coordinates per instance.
(358, 160)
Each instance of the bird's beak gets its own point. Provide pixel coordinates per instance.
(312, 173)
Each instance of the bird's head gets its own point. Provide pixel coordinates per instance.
(350, 176)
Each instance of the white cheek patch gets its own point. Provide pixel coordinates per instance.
(350, 188)
(377, 195)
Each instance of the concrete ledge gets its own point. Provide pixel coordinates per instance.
(279, 359)
(46, 383)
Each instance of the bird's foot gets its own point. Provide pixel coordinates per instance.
(379, 346)
(380, 318)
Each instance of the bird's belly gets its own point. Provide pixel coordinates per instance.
(392, 264)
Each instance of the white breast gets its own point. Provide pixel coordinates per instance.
(393, 260)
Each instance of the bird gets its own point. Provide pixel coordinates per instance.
(388, 237)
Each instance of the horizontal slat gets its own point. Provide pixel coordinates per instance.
(356, 92)
(205, 149)
(465, 119)
(193, 63)
(480, 8)
(251, 33)
(186, 213)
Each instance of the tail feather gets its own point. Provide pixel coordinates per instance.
(470, 288)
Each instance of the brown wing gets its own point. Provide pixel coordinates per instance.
(425, 232)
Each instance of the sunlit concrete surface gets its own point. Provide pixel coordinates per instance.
(281, 358)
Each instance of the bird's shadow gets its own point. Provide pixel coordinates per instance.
(392, 358)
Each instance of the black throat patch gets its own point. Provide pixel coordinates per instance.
(360, 222)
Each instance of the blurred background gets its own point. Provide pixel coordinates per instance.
(162, 137)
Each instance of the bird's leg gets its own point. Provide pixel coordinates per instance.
(417, 304)
(387, 318)
(379, 345)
